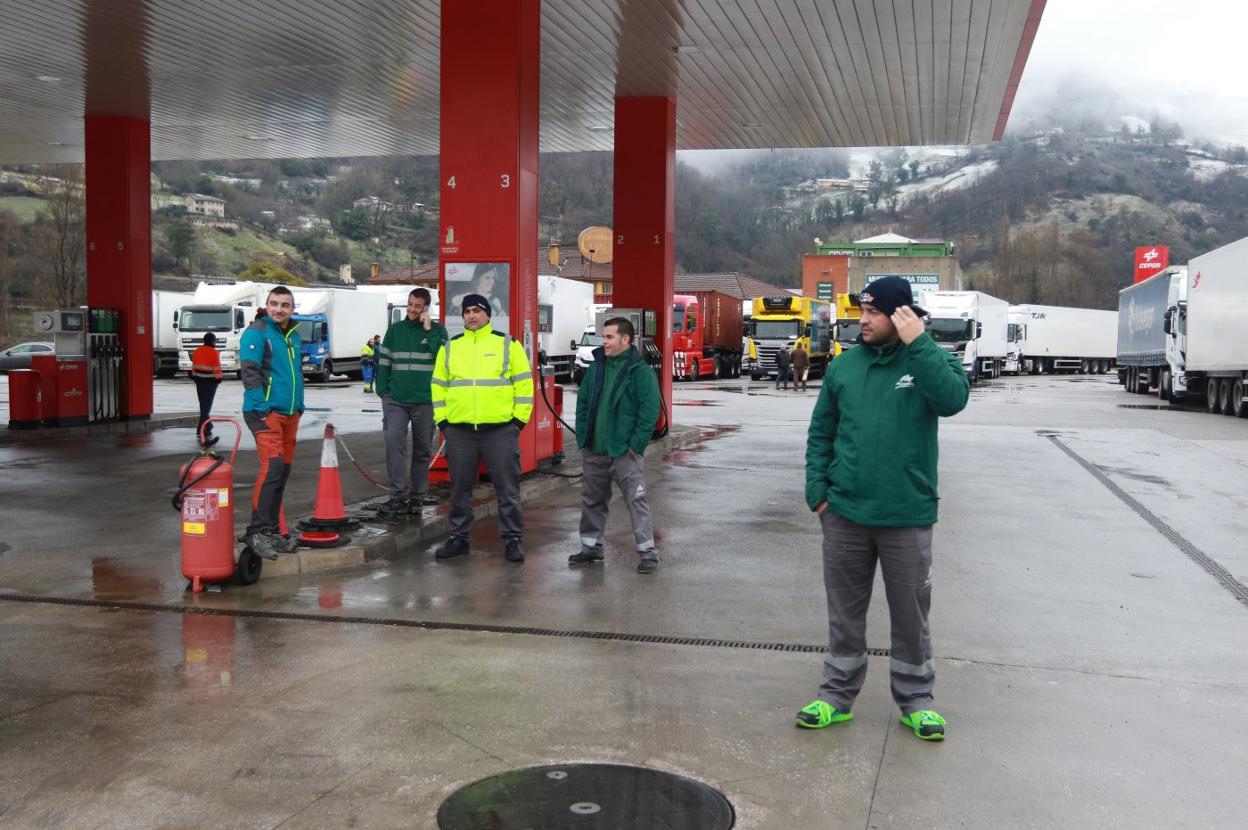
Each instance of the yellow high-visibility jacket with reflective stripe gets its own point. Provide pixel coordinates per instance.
(482, 377)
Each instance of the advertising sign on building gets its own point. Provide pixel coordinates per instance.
(1149, 261)
(915, 280)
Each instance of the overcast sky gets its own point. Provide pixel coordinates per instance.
(1182, 58)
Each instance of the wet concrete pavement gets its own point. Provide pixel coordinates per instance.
(1091, 669)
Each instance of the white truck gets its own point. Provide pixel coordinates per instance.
(334, 324)
(1048, 338)
(972, 325)
(166, 308)
(1205, 333)
(564, 308)
(226, 311)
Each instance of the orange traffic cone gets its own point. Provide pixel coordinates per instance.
(329, 512)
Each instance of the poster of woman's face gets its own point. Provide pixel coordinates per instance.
(491, 280)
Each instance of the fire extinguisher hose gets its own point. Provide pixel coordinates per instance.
(183, 485)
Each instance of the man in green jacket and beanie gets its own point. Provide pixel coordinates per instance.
(404, 370)
(616, 411)
(871, 477)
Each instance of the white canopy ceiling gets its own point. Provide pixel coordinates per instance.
(306, 78)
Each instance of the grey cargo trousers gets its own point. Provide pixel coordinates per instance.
(396, 416)
(629, 474)
(850, 552)
(499, 448)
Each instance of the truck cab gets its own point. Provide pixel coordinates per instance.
(1173, 381)
(313, 343)
(848, 323)
(788, 320)
(590, 340)
(227, 322)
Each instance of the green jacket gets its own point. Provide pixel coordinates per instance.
(405, 360)
(633, 406)
(871, 451)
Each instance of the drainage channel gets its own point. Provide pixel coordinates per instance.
(1220, 574)
(428, 625)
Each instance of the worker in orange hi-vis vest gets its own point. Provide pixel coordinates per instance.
(206, 371)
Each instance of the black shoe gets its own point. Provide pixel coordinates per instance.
(515, 553)
(396, 506)
(261, 545)
(647, 565)
(586, 557)
(454, 546)
(285, 544)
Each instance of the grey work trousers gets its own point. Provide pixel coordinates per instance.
(629, 474)
(499, 448)
(396, 416)
(850, 552)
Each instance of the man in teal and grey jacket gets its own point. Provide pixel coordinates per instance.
(871, 477)
(272, 373)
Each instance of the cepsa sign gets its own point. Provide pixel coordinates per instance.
(1150, 261)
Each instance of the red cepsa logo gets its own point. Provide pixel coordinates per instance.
(1149, 261)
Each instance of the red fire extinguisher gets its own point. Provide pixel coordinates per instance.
(205, 498)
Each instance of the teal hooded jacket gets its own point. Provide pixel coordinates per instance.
(871, 451)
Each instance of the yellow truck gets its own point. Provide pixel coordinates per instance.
(848, 323)
(787, 320)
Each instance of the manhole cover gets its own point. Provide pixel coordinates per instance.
(586, 797)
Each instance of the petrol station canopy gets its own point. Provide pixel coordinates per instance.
(307, 78)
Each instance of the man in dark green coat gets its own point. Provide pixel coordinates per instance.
(871, 477)
(616, 410)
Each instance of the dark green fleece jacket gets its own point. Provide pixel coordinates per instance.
(632, 404)
(871, 451)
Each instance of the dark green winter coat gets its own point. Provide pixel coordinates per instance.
(405, 360)
(632, 404)
(871, 451)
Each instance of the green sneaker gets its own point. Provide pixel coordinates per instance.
(820, 714)
(927, 725)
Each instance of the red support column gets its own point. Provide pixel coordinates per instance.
(491, 52)
(645, 216)
(119, 244)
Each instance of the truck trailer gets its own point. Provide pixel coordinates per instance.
(1147, 355)
(1046, 338)
(706, 335)
(971, 324)
(1182, 332)
(564, 309)
(396, 299)
(1214, 335)
(334, 324)
(166, 309)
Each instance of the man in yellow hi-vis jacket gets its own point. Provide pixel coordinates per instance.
(482, 391)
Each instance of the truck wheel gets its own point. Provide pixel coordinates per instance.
(1238, 408)
(327, 371)
(1211, 395)
(1224, 396)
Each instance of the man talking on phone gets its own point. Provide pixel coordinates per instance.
(404, 370)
